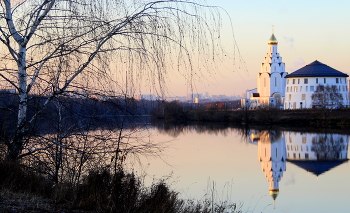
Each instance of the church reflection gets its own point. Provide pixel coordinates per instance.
(272, 155)
(314, 152)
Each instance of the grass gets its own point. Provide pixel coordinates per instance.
(23, 190)
(25, 202)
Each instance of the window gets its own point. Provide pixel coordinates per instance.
(287, 81)
(316, 80)
(301, 89)
(275, 80)
(293, 81)
(306, 81)
(324, 80)
(337, 80)
(290, 96)
(295, 89)
(306, 88)
(306, 155)
(294, 105)
(303, 139)
(312, 88)
(298, 81)
(287, 89)
(303, 97)
(340, 80)
(276, 152)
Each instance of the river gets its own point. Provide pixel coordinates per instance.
(261, 170)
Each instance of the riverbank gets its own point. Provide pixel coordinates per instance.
(316, 118)
(23, 189)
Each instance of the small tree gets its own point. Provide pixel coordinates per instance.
(326, 97)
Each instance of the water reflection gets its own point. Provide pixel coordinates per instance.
(272, 155)
(314, 152)
(317, 153)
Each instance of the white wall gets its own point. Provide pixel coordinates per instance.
(295, 88)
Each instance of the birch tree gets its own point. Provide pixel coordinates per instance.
(52, 47)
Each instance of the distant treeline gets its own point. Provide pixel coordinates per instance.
(64, 111)
(330, 118)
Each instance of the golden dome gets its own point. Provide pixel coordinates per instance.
(273, 39)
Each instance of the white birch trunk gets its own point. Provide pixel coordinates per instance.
(16, 147)
(22, 85)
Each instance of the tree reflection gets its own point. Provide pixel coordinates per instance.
(79, 152)
(328, 146)
(212, 128)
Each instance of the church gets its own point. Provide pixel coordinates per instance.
(271, 81)
(315, 85)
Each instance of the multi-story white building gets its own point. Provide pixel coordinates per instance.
(271, 82)
(316, 85)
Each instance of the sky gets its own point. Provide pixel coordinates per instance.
(306, 30)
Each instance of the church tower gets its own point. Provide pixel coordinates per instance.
(271, 81)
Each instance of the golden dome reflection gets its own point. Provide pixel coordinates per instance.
(274, 194)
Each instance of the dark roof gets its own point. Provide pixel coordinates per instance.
(317, 167)
(316, 69)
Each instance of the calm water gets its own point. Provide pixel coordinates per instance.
(265, 171)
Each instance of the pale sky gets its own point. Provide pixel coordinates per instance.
(306, 30)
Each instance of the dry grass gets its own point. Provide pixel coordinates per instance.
(22, 190)
(24, 202)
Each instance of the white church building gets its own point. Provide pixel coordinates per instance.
(315, 85)
(271, 80)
